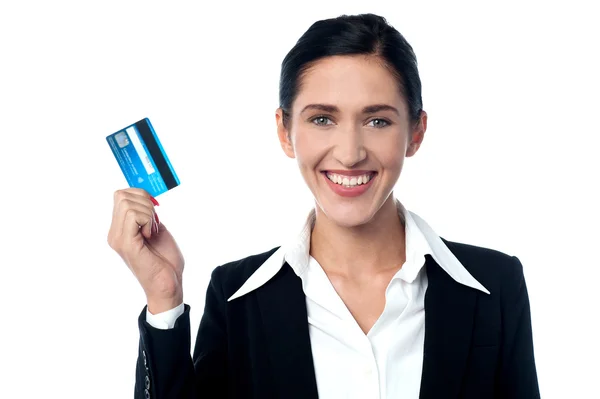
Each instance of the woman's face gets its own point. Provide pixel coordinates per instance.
(350, 132)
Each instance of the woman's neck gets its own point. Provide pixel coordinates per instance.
(362, 251)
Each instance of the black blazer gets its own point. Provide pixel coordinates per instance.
(477, 345)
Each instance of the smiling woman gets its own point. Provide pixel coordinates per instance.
(367, 301)
(352, 118)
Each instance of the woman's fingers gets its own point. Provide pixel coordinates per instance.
(136, 218)
(133, 214)
(133, 194)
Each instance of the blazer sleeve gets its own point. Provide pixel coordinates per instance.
(518, 376)
(164, 366)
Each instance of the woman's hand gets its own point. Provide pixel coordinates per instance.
(147, 248)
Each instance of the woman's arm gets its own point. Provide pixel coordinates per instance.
(518, 376)
(165, 368)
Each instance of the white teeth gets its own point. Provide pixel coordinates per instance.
(347, 181)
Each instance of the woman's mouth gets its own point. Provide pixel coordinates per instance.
(349, 184)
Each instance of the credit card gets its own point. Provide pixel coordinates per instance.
(142, 158)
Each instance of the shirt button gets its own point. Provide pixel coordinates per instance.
(146, 394)
(147, 382)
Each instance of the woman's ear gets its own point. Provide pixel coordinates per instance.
(284, 134)
(417, 135)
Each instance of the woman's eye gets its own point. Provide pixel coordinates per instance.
(379, 123)
(321, 120)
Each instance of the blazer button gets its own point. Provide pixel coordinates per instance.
(146, 394)
(147, 383)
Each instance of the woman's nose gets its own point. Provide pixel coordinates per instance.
(349, 147)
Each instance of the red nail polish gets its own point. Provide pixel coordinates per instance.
(157, 223)
(154, 201)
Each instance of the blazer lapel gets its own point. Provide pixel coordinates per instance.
(283, 309)
(449, 314)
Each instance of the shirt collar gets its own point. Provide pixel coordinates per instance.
(421, 240)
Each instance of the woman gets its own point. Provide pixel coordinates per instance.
(367, 302)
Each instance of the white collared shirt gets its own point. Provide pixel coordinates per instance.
(386, 362)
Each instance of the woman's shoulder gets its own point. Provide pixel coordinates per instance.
(474, 252)
(233, 274)
(492, 268)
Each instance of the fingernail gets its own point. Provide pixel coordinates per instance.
(154, 201)
(156, 219)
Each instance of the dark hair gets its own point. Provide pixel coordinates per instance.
(367, 34)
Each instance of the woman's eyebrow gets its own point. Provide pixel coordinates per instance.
(369, 109)
(321, 107)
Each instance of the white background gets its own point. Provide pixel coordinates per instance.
(510, 162)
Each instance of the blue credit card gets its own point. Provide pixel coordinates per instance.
(142, 158)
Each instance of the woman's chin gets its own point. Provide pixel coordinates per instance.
(347, 215)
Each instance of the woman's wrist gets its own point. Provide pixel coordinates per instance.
(159, 305)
